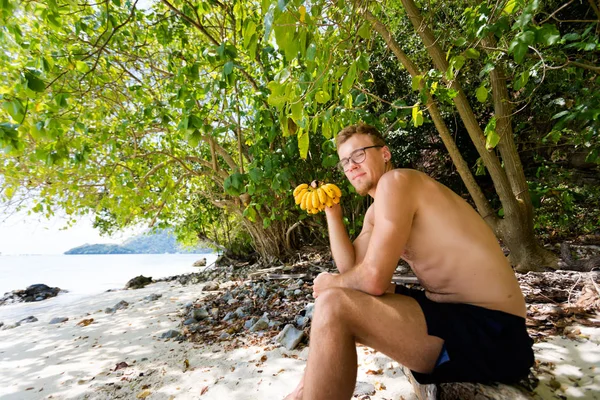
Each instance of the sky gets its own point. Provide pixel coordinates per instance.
(22, 234)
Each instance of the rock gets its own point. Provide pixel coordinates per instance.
(58, 320)
(274, 324)
(109, 310)
(224, 336)
(121, 305)
(200, 263)
(1, 324)
(364, 389)
(138, 282)
(28, 320)
(10, 326)
(232, 301)
(248, 324)
(229, 316)
(200, 314)
(189, 321)
(297, 292)
(170, 334)
(153, 297)
(210, 286)
(309, 310)
(240, 312)
(260, 325)
(37, 292)
(290, 337)
(302, 321)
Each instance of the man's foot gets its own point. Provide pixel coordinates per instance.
(297, 393)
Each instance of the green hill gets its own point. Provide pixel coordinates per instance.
(162, 242)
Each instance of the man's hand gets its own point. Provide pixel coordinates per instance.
(334, 211)
(324, 281)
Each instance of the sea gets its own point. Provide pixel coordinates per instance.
(85, 275)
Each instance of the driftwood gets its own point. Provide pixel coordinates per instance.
(465, 390)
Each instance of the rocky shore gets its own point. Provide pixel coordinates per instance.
(240, 330)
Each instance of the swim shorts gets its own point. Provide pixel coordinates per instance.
(480, 345)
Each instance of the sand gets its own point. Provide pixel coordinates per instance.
(71, 361)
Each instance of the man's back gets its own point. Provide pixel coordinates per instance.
(453, 252)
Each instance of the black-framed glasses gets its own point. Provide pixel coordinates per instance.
(357, 157)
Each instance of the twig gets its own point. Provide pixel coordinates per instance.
(571, 290)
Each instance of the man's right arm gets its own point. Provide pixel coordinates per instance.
(345, 253)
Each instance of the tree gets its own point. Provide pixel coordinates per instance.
(150, 115)
(494, 36)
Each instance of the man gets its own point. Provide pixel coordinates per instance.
(468, 324)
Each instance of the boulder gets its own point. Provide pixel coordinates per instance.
(138, 282)
(200, 263)
(37, 292)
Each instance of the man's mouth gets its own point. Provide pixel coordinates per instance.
(358, 175)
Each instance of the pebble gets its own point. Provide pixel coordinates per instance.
(58, 320)
(170, 334)
(260, 325)
(153, 297)
(28, 320)
(364, 389)
(200, 313)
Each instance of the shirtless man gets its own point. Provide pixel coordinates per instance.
(468, 324)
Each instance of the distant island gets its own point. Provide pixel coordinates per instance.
(162, 242)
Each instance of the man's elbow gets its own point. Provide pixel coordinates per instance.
(377, 286)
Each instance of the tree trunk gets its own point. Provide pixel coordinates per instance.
(270, 243)
(516, 229)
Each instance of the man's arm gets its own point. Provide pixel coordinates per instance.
(395, 208)
(345, 253)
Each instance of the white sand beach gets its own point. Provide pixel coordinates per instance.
(71, 361)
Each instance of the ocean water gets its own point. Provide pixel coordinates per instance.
(85, 275)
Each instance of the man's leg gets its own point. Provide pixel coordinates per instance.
(392, 324)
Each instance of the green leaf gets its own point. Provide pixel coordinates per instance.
(303, 143)
(250, 213)
(457, 62)
(82, 67)
(472, 54)
(15, 109)
(322, 97)
(363, 62)
(548, 34)
(348, 80)
(509, 7)
(311, 52)
(492, 137)
(365, 30)
(297, 109)
(330, 161)
(34, 83)
(416, 82)
(228, 68)
(278, 95)
(482, 94)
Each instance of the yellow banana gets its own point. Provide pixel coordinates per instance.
(304, 201)
(298, 197)
(329, 202)
(299, 188)
(336, 200)
(328, 190)
(315, 199)
(337, 191)
(322, 196)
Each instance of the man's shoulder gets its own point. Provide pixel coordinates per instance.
(402, 177)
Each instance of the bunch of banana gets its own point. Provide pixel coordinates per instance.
(316, 196)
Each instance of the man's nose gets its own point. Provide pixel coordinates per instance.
(352, 165)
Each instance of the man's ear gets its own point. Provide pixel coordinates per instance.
(387, 154)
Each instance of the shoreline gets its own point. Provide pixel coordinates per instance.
(71, 360)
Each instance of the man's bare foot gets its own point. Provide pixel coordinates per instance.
(297, 393)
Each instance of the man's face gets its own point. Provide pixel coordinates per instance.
(365, 175)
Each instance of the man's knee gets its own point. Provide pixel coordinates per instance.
(333, 305)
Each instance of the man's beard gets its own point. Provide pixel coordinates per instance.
(364, 188)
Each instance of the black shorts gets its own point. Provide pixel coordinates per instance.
(480, 345)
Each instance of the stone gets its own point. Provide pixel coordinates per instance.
(302, 321)
(10, 326)
(229, 316)
(248, 324)
(210, 286)
(170, 334)
(224, 336)
(260, 325)
(364, 389)
(121, 305)
(153, 297)
(290, 337)
(200, 263)
(138, 282)
(189, 321)
(58, 320)
(200, 314)
(109, 310)
(28, 320)
(240, 312)
(309, 310)
(37, 292)
(1, 324)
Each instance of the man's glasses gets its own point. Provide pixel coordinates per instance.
(357, 157)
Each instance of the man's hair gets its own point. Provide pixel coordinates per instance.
(364, 129)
